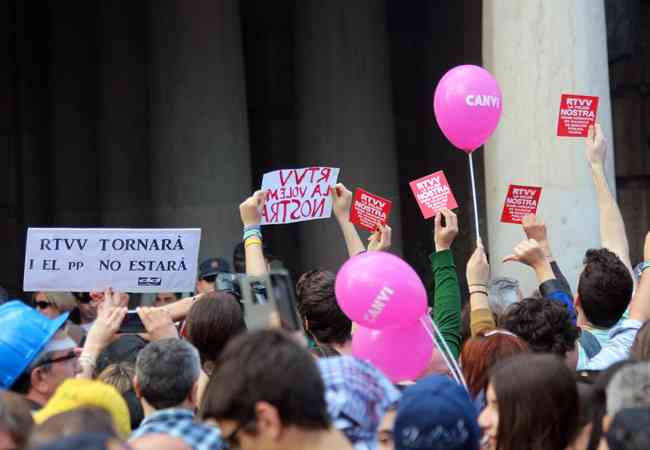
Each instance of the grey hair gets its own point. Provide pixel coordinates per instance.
(167, 371)
(629, 388)
(502, 292)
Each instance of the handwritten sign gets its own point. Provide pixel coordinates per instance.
(296, 195)
(520, 201)
(128, 260)
(433, 194)
(577, 113)
(368, 210)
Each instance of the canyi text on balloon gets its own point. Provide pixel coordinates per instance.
(483, 100)
(379, 303)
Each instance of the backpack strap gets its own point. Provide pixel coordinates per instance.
(589, 343)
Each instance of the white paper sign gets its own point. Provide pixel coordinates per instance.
(296, 195)
(127, 260)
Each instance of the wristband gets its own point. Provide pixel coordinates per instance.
(477, 284)
(252, 233)
(252, 241)
(643, 266)
(87, 360)
(478, 292)
(253, 227)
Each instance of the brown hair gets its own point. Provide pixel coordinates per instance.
(538, 402)
(119, 375)
(483, 351)
(641, 348)
(15, 417)
(70, 423)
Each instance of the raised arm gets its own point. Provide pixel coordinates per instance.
(478, 275)
(446, 308)
(341, 204)
(612, 227)
(251, 217)
(640, 303)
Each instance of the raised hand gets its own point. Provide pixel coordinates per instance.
(528, 252)
(596, 146)
(158, 323)
(536, 229)
(341, 201)
(251, 209)
(478, 268)
(380, 240)
(444, 235)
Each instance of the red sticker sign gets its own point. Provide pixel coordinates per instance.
(520, 201)
(577, 113)
(433, 194)
(368, 210)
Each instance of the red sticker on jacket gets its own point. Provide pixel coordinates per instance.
(520, 201)
(433, 194)
(577, 113)
(368, 210)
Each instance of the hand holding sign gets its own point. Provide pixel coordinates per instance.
(444, 235)
(251, 209)
(158, 323)
(380, 240)
(596, 146)
(478, 268)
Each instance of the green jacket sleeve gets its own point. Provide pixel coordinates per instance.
(446, 308)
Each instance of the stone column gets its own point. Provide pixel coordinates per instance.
(200, 164)
(539, 50)
(344, 110)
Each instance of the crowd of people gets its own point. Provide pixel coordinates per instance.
(554, 370)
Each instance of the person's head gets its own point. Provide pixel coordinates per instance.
(320, 312)
(357, 395)
(86, 441)
(604, 288)
(629, 430)
(208, 271)
(15, 421)
(165, 298)
(436, 413)
(87, 307)
(629, 388)
(545, 325)
(157, 441)
(120, 376)
(124, 349)
(641, 348)
(213, 320)
(166, 374)
(484, 350)
(53, 304)
(83, 393)
(503, 292)
(531, 399)
(72, 423)
(264, 386)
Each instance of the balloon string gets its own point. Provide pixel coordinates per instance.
(471, 171)
(450, 361)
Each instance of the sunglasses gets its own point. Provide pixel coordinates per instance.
(67, 357)
(40, 304)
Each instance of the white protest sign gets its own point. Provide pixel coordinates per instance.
(127, 260)
(296, 195)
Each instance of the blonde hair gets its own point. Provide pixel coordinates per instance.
(119, 375)
(64, 301)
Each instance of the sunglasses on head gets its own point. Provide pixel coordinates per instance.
(68, 356)
(40, 304)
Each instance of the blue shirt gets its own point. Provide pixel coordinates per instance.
(180, 423)
(614, 349)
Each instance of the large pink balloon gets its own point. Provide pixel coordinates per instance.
(379, 290)
(401, 353)
(467, 104)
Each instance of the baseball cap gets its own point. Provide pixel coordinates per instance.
(213, 266)
(77, 392)
(24, 333)
(436, 414)
(630, 430)
(357, 395)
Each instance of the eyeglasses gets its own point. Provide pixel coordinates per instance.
(232, 440)
(67, 357)
(40, 304)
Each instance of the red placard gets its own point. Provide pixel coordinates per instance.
(520, 201)
(577, 112)
(368, 210)
(433, 193)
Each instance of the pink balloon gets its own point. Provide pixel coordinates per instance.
(401, 353)
(379, 290)
(467, 104)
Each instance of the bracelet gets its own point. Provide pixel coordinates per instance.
(252, 233)
(252, 227)
(478, 292)
(477, 284)
(252, 241)
(87, 360)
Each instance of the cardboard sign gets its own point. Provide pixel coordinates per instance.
(520, 201)
(296, 195)
(368, 210)
(577, 113)
(433, 194)
(127, 260)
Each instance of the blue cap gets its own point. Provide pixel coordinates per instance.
(436, 414)
(24, 332)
